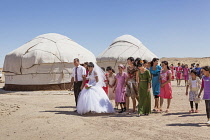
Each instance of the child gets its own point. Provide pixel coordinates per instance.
(179, 74)
(198, 69)
(105, 81)
(111, 83)
(172, 72)
(206, 87)
(86, 67)
(186, 71)
(194, 83)
(120, 88)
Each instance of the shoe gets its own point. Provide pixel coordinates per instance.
(156, 110)
(121, 111)
(191, 111)
(138, 115)
(75, 110)
(135, 112)
(124, 109)
(159, 110)
(208, 122)
(128, 113)
(167, 110)
(196, 111)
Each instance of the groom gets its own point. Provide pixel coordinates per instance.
(78, 78)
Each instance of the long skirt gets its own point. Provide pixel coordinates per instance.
(144, 106)
(94, 100)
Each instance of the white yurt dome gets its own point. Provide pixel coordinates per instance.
(45, 60)
(121, 48)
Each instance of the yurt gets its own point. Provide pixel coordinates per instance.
(44, 63)
(121, 48)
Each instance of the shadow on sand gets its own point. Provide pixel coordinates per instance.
(65, 107)
(188, 124)
(116, 114)
(92, 114)
(103, 115)
(184, 114)
(2, 91)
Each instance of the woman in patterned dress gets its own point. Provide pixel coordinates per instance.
(166, 89)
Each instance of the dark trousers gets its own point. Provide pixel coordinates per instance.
(196, 105)
(208, 108)
(77, 90)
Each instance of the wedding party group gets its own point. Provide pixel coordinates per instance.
(95, 87)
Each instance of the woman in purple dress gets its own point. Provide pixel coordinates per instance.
(120, 88)
(206, 87)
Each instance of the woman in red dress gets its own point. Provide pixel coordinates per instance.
(85, 65)
(105, 81)
(172, 72)
(179, 74)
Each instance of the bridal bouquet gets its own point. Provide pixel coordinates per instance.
(87, 86)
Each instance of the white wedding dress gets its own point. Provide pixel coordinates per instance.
(94, 99)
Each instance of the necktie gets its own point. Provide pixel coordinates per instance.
(76, 78)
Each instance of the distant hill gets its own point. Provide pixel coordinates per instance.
(205, 61)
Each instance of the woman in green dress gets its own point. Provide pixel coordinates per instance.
(143, 78)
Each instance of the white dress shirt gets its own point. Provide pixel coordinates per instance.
(80, 72)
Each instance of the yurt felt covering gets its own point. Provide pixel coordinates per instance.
(44, 63)
(120, 49)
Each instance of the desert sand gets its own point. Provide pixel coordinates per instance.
(205, 61)
(50, 115)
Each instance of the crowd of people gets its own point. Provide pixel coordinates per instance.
(136, 82)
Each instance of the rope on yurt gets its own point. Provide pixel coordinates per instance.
(119, 56)
(37, 69)
(132, 55)
(124, 41)
(144, 53)
(26, 53)
(44, 38)
(10, 77)
(135, 52)
(110, 46)
(38, 65)
(62, 62)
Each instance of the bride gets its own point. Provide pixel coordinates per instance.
(93, 98)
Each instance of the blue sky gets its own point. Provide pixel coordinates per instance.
(169, 28)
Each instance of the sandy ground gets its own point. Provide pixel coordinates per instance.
(205, 61)
(50, 115)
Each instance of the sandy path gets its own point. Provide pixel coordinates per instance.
(49, 115)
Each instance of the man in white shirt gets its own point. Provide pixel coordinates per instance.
(78, 78)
